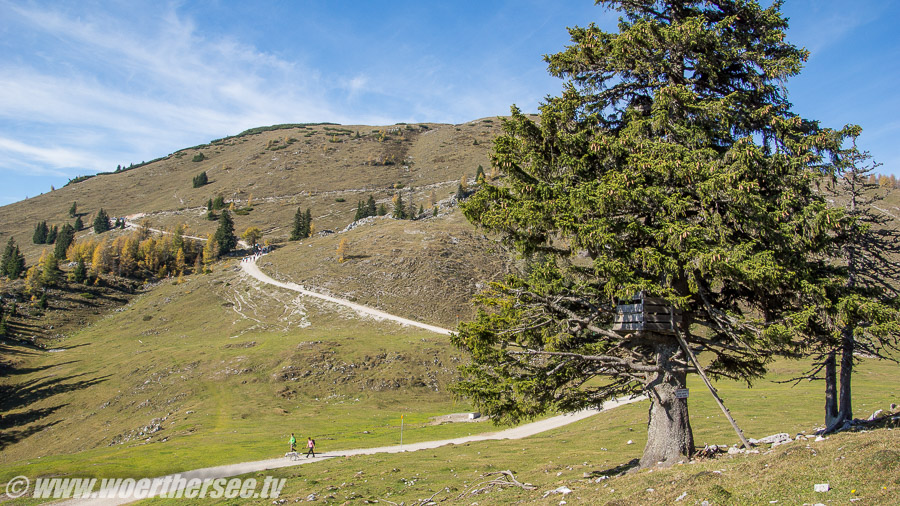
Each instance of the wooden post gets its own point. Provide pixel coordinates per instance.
(712, 390)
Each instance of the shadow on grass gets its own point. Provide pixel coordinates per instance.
(11, 435)
(8, 437)
(10, 346)
(15, 427)
(618, 470)
(6, 370)
(76, 290)
(19, 325)
(24, 394)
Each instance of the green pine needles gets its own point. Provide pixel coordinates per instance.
(672, 165)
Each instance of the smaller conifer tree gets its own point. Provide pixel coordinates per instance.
(51, 234)
(79, 273)
(12, 264)
(200, 179)
(101, 222)
(224, 236)
(40, 233)
(399, 208)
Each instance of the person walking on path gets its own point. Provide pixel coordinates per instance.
(293, 442)
(311, 445)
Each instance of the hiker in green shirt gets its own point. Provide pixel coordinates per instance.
(293, 442)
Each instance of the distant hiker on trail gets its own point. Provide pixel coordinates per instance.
(311, 444)
(293, 442)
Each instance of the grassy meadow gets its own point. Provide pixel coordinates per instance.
(862, 466)
(220, 368)
(215, 370)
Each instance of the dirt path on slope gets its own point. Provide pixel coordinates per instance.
(249, 266)
(130, 225)
(227, 471)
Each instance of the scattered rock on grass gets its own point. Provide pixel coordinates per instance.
(774, 439)
(559, 490)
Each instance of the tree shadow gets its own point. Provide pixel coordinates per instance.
(8, 437)
(618, 470)
(19, 325)
(10, 346)
(27, 393)
(73, 294)
(23, 394)
(7, 370)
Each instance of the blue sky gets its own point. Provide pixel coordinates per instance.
(85, 85)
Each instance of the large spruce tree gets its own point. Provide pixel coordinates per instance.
(670, 165)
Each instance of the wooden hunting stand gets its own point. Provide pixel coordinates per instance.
(654, 314)
(646, 314)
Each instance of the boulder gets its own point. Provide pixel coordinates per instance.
(779, 438)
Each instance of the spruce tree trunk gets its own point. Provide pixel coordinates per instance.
(669, 435)
(831, 398)
(847, 349)
(848, 340)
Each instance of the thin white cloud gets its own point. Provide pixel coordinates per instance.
(156, 89)
(357, 85)
(41, 160)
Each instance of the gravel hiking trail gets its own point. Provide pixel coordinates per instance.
(522, 431)
(249, 266)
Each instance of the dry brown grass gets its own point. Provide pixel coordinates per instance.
(313, 171)
(426, 270)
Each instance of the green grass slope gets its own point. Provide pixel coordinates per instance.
(862, 466)
(219, 369)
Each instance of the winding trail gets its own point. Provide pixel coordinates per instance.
(249, 266)
(227, 471)
(130, 225)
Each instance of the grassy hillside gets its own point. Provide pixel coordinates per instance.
(167, 376)
(219, 362)
(223, 362)
(427, 269)
(324, 167)
(856, 465)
